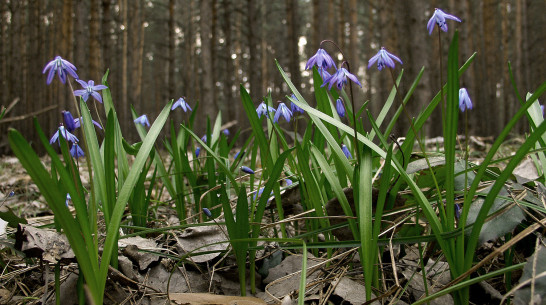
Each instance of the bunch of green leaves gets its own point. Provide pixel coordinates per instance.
(81, 230)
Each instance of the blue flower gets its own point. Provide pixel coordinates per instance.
(197, 151)
(383, 59)
(89, 88)
(247, 170)
(76, 151)
(284, 111)
(239, 154)
(68, 198)
(321, 59)
(340, 79)
(11, 194)
(288, 181)
(324, 74)
(69, 122)
(457, 211)
(182, 104)
(67, 135)
(264, 109)
(340, 108)
(143, 120)
(346, 151)
(226, 132)
(464, 100)
(78, 122)
(207, 212)
(439, 18)
(62, 67)
(295, 108)
(204, 139)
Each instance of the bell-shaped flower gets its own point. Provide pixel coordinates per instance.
(321, 59)
(65, 134)
(226, 132)
(340, 108)
(247, 170)
(181, 102)
(207, 212)
(89, 89)
(295, 108)
(346, 151)
(284, 111)
(340, 79)
(69, 121)
(324, 74)
(439, 18)
(62, 67)
(197, 151)
(264, 109)
(76, 151)
(143, 120)
(383, 59)
(464, 100)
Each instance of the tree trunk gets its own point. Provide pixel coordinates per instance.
(95, 67)
(292, 33)
(253, 39)
(206, 59)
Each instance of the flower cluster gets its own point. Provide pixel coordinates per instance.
(323, 61)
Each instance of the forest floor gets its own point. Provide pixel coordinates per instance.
(149, 271)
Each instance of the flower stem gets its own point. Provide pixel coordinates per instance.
(442, 102)
(355, 143)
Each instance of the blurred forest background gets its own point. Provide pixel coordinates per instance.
(157, 50)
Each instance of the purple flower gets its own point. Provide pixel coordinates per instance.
(247, 170)
(324, 74)
(197, 151)
(346, 151)
(295, 108)
(264, 109)
(207, 212)
(89, 88)
(68, 198)
(288, 182)
(464, 100)
(79, 122)
(457, 211)
(340, 108)
(204, 139)
(284, 111)
(181, 102)
(226, 132)
(62, 67)
(439, 17)
(69, 122)
(11, 194)
(67, 135)
(321, 59)
(239, 154)
(383, 59)
(76, 151)
(340, 79)
(142, 120)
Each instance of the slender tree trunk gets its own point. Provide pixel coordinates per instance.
(253, 39)
(206, 59)
(292, 33)
(95, 67)
(229, 83)
(123, 112)
(171, 56)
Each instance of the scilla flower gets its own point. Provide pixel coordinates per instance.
(383, 59)
(464, 100)
(69, 121)
(321, 59)
(247, 170)
(295, 108)
(264, 109)
(142, 120)
(197, 151)
(65, 134)
(207, 212)
(340, 79)
(76, 151)
(439, 18)
(340, 108)
(346, 151)
(182, 104)
(284, 111)
(89, 88)
(62, 67)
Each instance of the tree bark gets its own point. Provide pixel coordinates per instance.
(207, 80)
